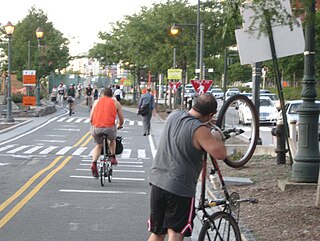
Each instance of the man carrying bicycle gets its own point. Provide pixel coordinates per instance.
(176, 168)
(103, 118)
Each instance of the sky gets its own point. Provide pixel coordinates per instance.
(79, 21)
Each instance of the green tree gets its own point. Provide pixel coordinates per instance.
(46, 56)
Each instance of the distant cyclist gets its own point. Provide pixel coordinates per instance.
(79, 90)
(88, 93)
(71, 94)
(103, 117)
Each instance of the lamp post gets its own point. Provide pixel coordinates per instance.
(39, 34)
(306, 163)
(9, 31)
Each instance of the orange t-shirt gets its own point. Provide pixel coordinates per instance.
(105, 113)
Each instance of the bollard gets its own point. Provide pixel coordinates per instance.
(281, 143)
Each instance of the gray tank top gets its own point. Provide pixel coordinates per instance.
(177, 164)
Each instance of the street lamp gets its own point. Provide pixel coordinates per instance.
(39, 34)
(306, 163)
(9, 28)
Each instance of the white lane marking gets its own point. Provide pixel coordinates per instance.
(140, 123)
(152, 147)
(4, 164)
(102, 192)
(55, 135)
(119, 165)
(7, 147)
(87, 121)
(131, 123)
(66, 129)
(114, 170)
(64, 150)
(113, 178)
(48, 150)
(18, 149)
(52, 141)
(33, 149)
(126, 153)
(79, 151)
(142, 153)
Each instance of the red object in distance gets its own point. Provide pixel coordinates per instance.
(201, 86)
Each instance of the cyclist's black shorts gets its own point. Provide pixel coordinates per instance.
(170, 211)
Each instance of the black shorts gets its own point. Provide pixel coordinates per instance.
(169, 211)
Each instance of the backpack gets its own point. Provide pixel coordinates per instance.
(144, 109)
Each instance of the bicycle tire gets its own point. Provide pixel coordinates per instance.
(70, 110)
(220, 226)
(102, 174)
(110, 174)
(247, 141)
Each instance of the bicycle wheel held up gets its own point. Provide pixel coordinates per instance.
(241, 129)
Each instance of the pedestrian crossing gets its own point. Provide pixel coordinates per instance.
(66, 150)
(85, 120)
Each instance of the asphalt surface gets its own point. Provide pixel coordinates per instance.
(27, 125)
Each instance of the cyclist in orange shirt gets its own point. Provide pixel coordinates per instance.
(103, 121)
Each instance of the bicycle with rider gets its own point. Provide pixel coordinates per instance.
(103, 117)
(89, 91)
(71, 94)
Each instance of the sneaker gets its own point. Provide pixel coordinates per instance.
(94, 170)
(113, 160)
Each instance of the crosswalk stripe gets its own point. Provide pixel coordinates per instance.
(78, 120)
(61, 119)
(87, 121)
(33, 149)
(41, 149)
(70, 120)
(64, 150)
(126, 153)
(48, 150)
(7, 147)
(131, 123)
(79, 151)
(17, 149)
(141, 153)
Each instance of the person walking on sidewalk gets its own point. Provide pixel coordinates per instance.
(177, 166)
(147, 99)
(103, 118)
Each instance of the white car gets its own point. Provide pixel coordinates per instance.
(291, 108)
(274, 98)
(231, 92)
(217, 93)
(268, 112)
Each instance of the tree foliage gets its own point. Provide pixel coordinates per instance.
(47, 55)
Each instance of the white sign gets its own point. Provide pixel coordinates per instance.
(254, 48)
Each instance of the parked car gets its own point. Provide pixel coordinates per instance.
(264, 91)
(274, 98)
(291, 108)
(268, 113)
(217, 93)
(190, 93)
(232, 91)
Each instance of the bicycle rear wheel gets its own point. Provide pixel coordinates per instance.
(240, 115)
(220, 226)
(103, 174)
(109, 173)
